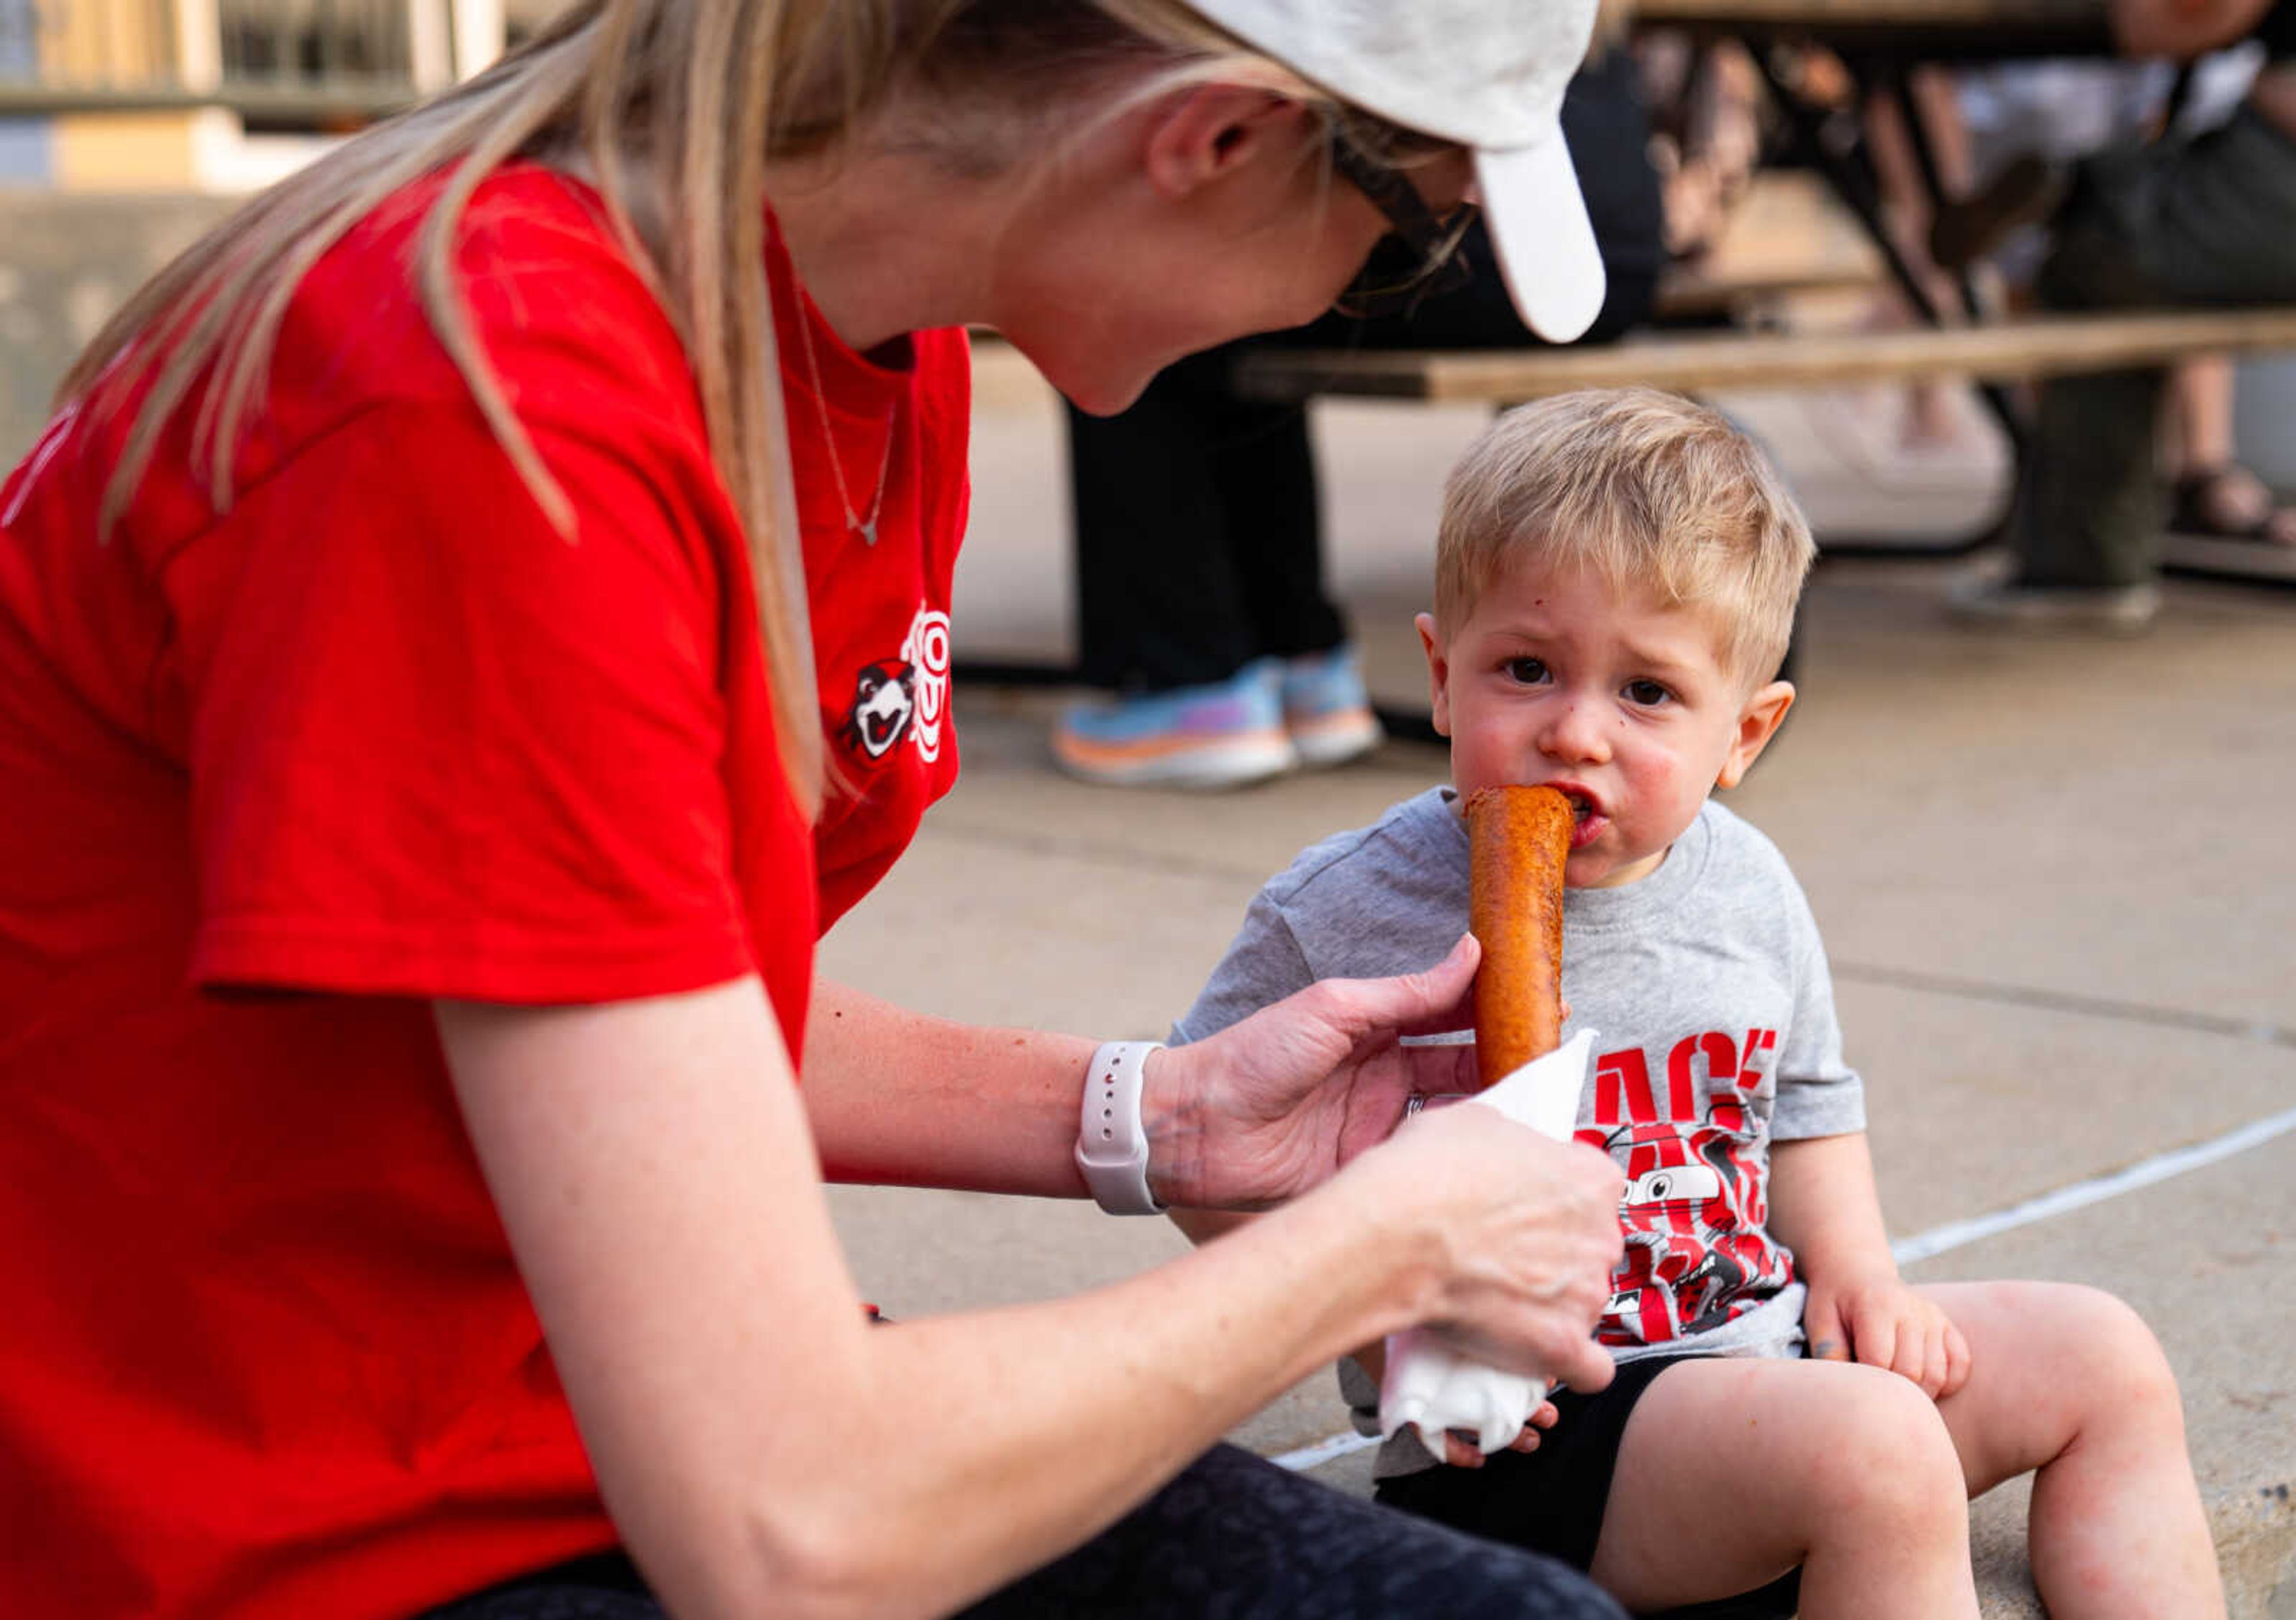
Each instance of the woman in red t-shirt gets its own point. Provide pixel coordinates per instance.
(437, 726)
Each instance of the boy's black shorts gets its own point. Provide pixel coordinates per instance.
(1552, 1499)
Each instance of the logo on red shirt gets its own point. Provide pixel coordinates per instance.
(905, 696)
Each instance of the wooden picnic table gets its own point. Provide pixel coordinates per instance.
(2028, 346)
(1928, 30)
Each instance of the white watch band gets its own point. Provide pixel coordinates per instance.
(1111, 1149)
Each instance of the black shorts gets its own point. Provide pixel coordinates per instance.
(1552, 1499)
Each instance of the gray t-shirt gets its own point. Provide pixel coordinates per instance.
(1708, 987)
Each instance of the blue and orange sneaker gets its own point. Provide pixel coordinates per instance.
(1326, 711)
(1222, 735)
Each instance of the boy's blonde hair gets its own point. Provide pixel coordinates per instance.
(1647, 491)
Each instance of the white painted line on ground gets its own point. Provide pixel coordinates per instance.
(1324, 1450)
(1955, 1234)
(2160, 1167)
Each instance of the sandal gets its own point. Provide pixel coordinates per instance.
(2209, 501)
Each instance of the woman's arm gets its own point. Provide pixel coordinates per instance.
(899, 1099)
(762, 1449)
(896, 1098)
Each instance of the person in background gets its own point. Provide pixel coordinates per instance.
(2027, 124)
(2201, 219)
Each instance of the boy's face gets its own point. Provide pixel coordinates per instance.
(1619, 702)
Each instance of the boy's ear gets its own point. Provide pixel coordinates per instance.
(1207, 133)
(1758, 722)
(1439, 674)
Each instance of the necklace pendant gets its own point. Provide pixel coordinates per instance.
(867, 531)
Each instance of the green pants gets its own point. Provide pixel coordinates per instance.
(2206, 221)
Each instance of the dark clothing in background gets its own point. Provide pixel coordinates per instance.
(2198, 220)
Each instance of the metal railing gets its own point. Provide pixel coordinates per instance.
(293, 62)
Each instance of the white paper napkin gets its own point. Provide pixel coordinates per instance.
(1425, 1383)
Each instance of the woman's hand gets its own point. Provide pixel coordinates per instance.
(1529, 1234)
(1271, 1106)
(1875, 1319)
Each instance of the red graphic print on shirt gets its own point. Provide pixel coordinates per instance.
(1697, 1171)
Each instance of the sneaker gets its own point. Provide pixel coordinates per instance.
(1326, 710)
(2004, 604)
(1222, 735)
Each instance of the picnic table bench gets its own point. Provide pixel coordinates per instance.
(1705, 361)
(2024, 347)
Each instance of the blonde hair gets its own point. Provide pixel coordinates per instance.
(1646, 490)
(672, 109)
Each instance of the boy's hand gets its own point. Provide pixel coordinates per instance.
(1877, 1319)
(1461, 1452)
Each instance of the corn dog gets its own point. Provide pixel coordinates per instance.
(1517, 841)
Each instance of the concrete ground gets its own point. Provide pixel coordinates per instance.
(2054, 876)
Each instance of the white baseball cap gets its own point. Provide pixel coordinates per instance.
(1487, 74)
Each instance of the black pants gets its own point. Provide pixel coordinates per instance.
(1199, 545)
(2206, 220)
(1234, 1536)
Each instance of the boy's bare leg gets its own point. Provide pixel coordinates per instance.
(1733, 1471)
(2071, 1381)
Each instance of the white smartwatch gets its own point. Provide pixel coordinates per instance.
(1111, 1148)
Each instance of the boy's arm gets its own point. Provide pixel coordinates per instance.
(1824, 1207)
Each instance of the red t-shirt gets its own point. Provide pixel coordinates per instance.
(379, 734)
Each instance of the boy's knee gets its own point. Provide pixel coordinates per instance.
(1885, 1452)
(2110, 1356)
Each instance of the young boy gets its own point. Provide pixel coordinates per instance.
(1615, 583)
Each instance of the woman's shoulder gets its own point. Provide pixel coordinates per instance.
(561, 313)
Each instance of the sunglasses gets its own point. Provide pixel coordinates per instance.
(1419, 258)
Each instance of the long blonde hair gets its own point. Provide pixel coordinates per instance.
(672, 107)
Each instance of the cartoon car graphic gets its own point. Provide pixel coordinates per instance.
(1678, 1202)
(1665, 1173)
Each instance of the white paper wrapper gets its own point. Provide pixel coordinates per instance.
(1425, 1383)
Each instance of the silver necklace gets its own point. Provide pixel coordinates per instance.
(865, 527)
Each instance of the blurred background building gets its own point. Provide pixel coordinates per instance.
(129, 126)
(219, 96)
